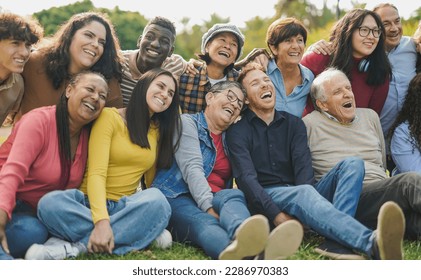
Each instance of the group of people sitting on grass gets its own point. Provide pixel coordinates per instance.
(112, 151)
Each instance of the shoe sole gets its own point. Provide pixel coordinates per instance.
(33, 253)
(390, 231)
(335, 256)
(284, 240)
(250, 239)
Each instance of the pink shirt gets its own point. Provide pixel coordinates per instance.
(30, 160)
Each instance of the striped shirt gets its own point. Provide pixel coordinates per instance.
(175, 64)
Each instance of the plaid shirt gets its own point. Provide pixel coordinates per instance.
(193, 88)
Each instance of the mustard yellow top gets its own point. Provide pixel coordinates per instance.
(115, 164)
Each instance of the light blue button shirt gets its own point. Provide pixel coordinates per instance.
(296, 101)
(405, 155)
(403, 60)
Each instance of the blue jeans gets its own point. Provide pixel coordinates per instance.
(343, 184)
(189, 223)
(136, 220)
(23, 230)
(313, 210)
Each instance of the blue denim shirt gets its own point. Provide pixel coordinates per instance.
(297, 100)
(186, 173)
(405, 155)
(403, 59)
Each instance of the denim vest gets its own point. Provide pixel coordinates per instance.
(170, 181)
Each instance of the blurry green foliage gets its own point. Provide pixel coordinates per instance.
(129, 25)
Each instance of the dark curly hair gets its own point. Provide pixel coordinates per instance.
(19, 28)
(411, 112)
(57, 59)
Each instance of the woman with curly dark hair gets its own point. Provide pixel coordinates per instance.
(87, 41)
(406, 132)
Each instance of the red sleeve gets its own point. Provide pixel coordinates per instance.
(19, 152)
(315, 62)
(379, 97)
(309, 107)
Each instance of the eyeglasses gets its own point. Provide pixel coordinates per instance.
(232, 97)
(364, 31)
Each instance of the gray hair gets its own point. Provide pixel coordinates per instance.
(317, 90)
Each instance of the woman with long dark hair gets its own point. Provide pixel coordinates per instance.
(108, 214)
(46, 151)
(358, 42)
(87, 41)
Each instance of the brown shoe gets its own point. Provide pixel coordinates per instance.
(284, 240)
(389, 233)
(250, 239)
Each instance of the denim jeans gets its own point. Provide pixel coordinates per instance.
(405, 190)
(189, 223)
(343, 184)
(23, 230)
(313, 210)
(136, 220)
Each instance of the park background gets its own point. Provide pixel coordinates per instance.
(317, 15)
(192, 18)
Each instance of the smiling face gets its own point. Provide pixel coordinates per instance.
(156, 44)
(260, 91)
(364, 46)
(13, 56)
(224, 107)
(86, 98)
(392, 24)
(289, 51)
(87, 46)
(223, 49)
(160, 94)
(340, 102)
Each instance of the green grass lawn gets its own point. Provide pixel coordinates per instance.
(178, 251)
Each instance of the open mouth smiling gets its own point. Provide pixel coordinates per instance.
(227, 55)
(347, 105)
(266, 95)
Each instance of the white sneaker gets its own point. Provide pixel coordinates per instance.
(250, 239)
(164, 240)
(55, 249)
(284, 240)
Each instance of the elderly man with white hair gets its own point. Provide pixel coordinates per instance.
(337, 130)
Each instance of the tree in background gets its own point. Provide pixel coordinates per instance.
(129, 25)
(189, 40)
